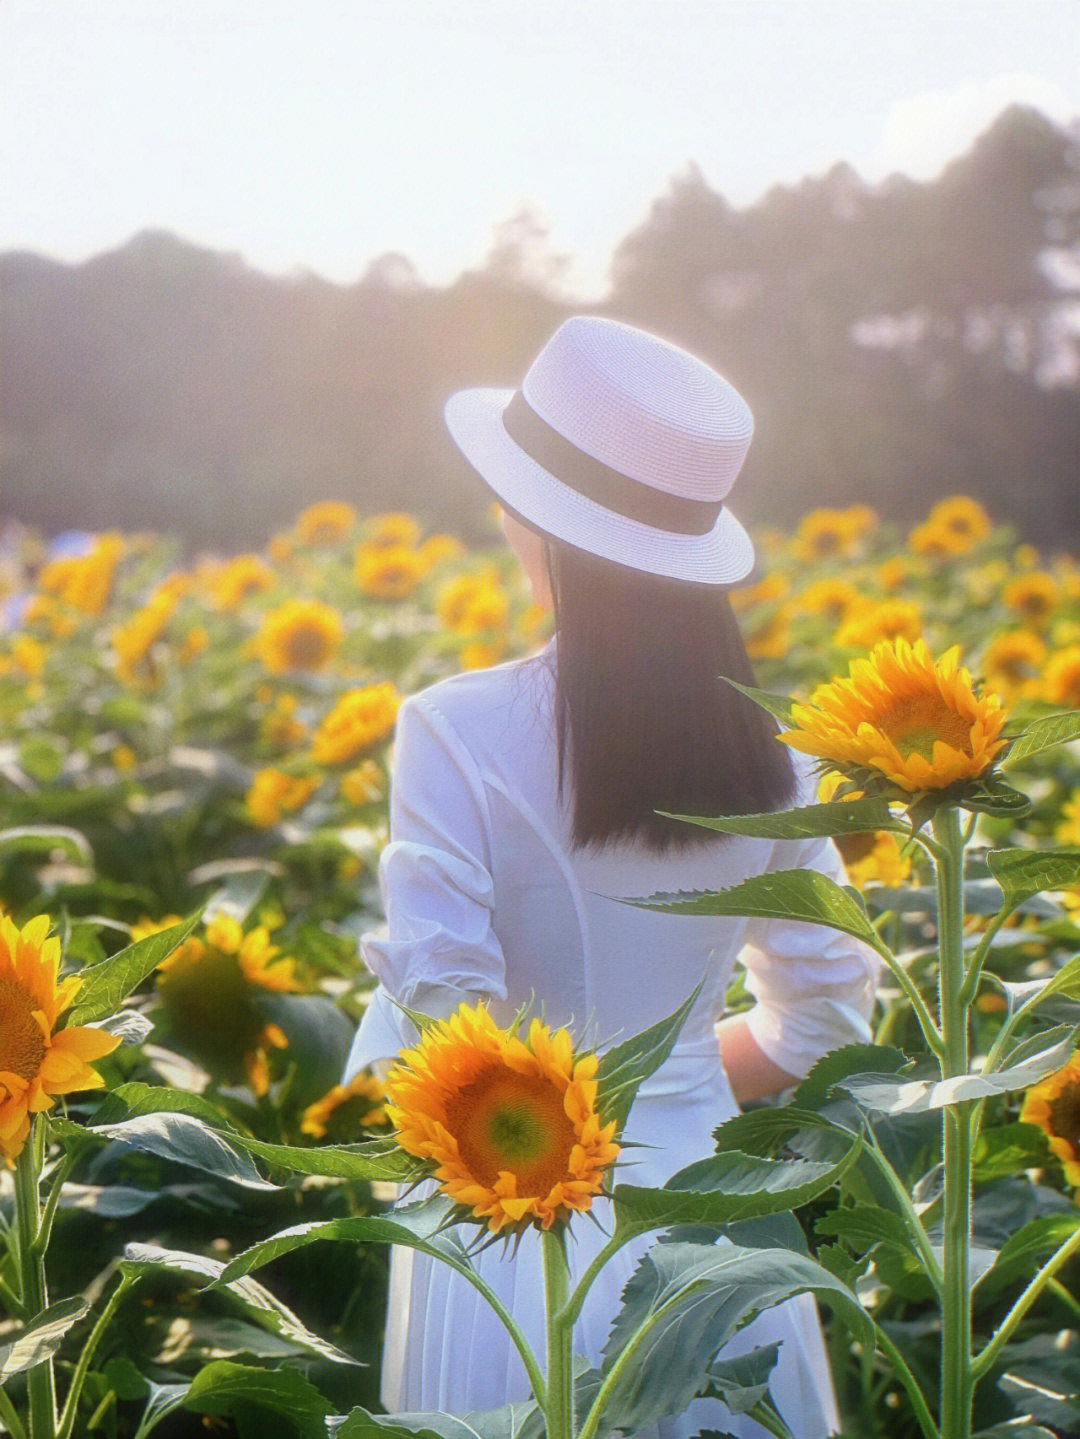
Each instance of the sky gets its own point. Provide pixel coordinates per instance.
(317, 135)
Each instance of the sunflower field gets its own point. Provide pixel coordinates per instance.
(194, 770)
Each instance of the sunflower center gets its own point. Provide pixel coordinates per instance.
(306, 647)
(916, 724)
(516, 1122)
(22, 1044)
(1065, 1115)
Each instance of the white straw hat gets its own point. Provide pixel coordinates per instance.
(620, 444)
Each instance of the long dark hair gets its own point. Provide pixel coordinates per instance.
(644, 719)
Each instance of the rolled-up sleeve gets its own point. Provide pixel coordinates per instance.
(814, 986)
(437, 947)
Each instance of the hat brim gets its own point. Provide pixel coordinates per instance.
(720, 556)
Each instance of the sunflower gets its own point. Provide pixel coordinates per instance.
(964, 519)
(1054, 1105)
(470, 604)
(936, 541)
(1035, 596)
(437, 549)
(133, 641)
(210, 986)
(235, 581)
(769, 638)
(887, 620)
(510, 1128)
(299, 635)
(84, 581)
(1067, 829)
(279, 727)
(395, 527)
(359, 719)
(773, 587)
(1061, 682)
(274, 793)
(917, 721)
(824, 534)
(388, 572)
(893, 573)
(831, 597)
(874, 856)
(325, 523)
(37, 1060)
(1013, 659)
(360, 1104)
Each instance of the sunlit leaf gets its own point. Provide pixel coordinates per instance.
(105, 986)
(41, 1337)
(1043, 734)
(186, 1140)
(792, 894)
(624, 1067)
(1022, 873)
(854, 816)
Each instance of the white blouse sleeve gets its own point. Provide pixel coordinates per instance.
(814, 986)
(437, 947)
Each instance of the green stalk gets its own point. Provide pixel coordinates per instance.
(910, 1383)
(957, 1383)
(40, 1383)
(9, 1415)
(559, 1406)
(78, 1379)
(1003, 1333)
(916, 1228)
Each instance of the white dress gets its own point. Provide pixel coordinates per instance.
(485, 897)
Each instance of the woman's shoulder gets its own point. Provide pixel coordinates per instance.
(475, 700)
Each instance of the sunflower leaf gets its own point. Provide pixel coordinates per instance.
(800, 894)
(41, 1337)
(415, 1226)
(185, 1139)
(855, 816)
(624, 1067)
(779, 706)
(510, 1421)
(1022, 873)
(1043, 734)
(269, 1313)
(106, 985)
(1028, 1064)
(728, 1187)
(706, 1293)
(379, 1159)
(223, 1386)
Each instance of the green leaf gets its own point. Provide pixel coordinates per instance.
(799, 894)
(1030, 993)
(46, 838)
(106, 985)
(269, 1313)
(1022, 873)
(1024, 1251)
(728, 1187)
(129, 1025)
(1043, 734)
(990, 794)
(380, 1159)
(707, 1292)
(42, 1337)
(510, 1421)
(744, 1381)
(779, 706)
(839, 1063)
(624, 1067)
(915, 1095)
(127, 1101)
(1006, 1149)
(853, 816)
(416, 1226)
(185, 1140)
(864, 1226)
(239, 896)
(224, 1386)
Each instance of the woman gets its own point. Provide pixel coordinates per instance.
(524, 805)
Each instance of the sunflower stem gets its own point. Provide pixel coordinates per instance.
(40, 1382)
(48, 1213)
(559, 1407)
(10, 1416)
(1003, 1333)
(957, 1380)
(67, 1418)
